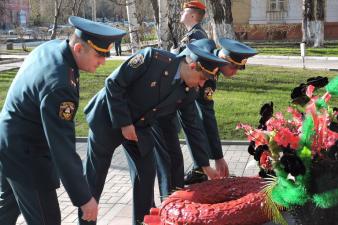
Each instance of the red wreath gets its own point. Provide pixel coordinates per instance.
(229, 201)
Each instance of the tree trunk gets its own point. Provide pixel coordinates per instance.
(133, 25)
(162, 29)
(94, 10)
(221, 19)
(313, 22)
(76, 6)
(170, 29)
(319, 25)
(58, 4)
(154, 4)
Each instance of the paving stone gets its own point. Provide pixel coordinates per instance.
(116, 201)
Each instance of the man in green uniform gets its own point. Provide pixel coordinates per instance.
(37, 135)
(150, 84)
(170, 165)
(192, 16)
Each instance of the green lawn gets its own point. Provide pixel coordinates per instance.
(293, 49)
(238, 99)
(264, 48)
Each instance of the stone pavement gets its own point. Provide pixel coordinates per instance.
(310, 62)
(115, 203)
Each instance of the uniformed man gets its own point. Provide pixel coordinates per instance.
(192, 16)
(236, 53)
(170, 165)
(166, 129)
(37, 135)
(150, 84)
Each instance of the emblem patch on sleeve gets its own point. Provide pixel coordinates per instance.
(136, 61)
(67, 110)
(208, 92)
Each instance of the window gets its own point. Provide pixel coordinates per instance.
(277, 5)
(277, 11)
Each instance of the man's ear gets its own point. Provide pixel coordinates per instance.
(77, 48)
(192, 66)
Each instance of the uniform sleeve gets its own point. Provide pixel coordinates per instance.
(211, 128)
(195, 135)
(118, 83)
(57, 110)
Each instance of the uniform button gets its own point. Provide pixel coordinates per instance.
(154, 109)
(142, 119)
(169, 59)
(166, 73)
(153, 84)
(186, 89)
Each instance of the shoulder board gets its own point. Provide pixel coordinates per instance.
(163, 56)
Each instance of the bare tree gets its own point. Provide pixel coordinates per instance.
(76, 6)
(154, 4)
(3, 6)
(221, 18)
(3, 12)
(319, 24)
(133, 25)
(170, 29)
(313, 22)
(58, 4)
(93, 10)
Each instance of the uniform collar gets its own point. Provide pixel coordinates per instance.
(67, 54)
(196, 26)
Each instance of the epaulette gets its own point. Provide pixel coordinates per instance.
(161, 56)
(196, 30)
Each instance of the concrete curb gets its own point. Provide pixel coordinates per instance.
(324, 58)
(182, 141)
(292, 67)
(10, 61)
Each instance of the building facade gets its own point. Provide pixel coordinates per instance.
(16, 13)
(278, 19)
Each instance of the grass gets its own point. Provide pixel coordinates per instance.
(293, 49)
(264, 48)
(238, 99)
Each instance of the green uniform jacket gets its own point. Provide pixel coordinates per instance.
(37, 135)
(141, 90)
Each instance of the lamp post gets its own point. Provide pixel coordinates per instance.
(302, 53)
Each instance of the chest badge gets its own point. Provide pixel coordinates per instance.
(208, 93)
(136, 61)
(67, 111)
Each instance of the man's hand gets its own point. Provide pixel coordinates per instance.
(222, 167)
(90, 210)
(129, 133)
(210, 172)
(175, 51)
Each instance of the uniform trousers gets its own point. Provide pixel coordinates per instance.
(141, 166)
(38, 207)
